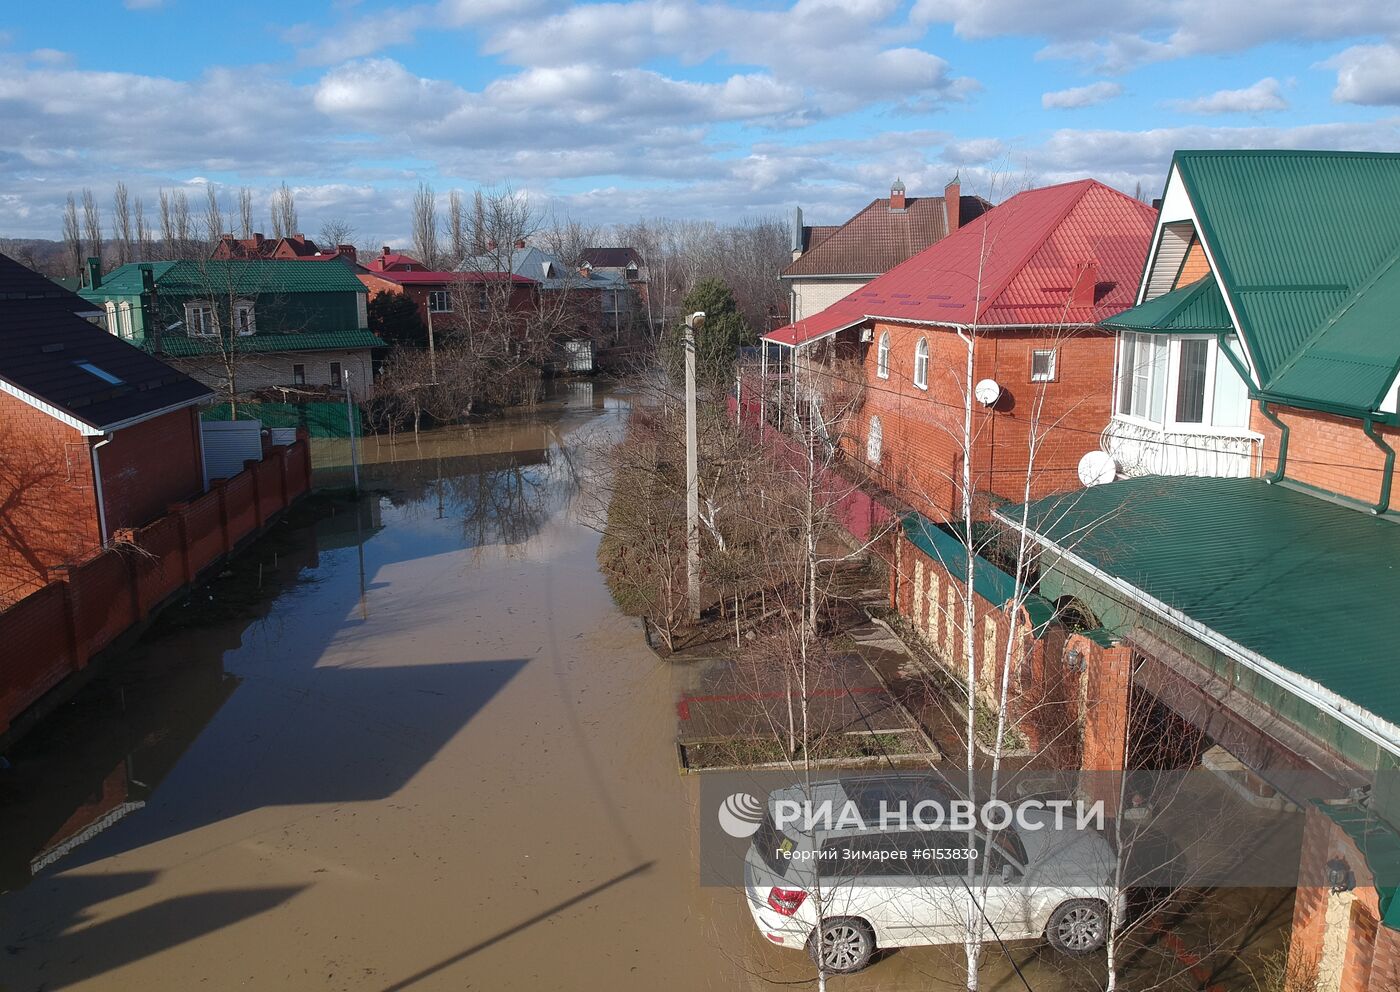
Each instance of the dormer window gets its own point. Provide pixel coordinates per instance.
(244, 320)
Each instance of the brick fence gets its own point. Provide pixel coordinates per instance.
(51, 635)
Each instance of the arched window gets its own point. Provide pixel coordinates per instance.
(882, 356)
(921, 363)
(111, 318)
(124, 321)
(874, 441)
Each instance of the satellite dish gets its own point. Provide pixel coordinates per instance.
(1097, 468)
(987, 392)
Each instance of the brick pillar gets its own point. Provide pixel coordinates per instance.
(1108, 676)
(251, 467)
(76, 649)
(177, 510)
(304, 440)
(220, 486)
(282, 455)
(127, 535)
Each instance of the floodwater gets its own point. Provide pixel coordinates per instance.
(438, 759)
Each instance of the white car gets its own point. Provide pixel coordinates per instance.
(891, 887)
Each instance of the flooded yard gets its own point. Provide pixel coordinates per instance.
(437, 758)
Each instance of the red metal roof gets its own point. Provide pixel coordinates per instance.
(418, 276)
(1017, 264)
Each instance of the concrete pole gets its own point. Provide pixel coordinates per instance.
(432, 350)
(350, 423)
(692, 469)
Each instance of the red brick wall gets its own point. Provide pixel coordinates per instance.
(922, 429)
(148, 466)
(49, 511)
(1327, 451)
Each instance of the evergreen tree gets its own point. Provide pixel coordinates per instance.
(394, 317)
(718, 342)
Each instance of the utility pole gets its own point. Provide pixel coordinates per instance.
(350, 422)
(693, 323)
(432, 351)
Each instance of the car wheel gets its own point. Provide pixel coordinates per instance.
(847, 944)
(1078, 927)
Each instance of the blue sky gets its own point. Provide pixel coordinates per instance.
(665, 108)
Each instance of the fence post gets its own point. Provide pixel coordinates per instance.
(282, 474)
(177, 510)
(304, 439)
(251, 467)
(77, 651)
(127, 535)
(220, 486)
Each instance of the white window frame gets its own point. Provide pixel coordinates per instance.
(240, 309)
(125, 329)
(1171, 383)
(882, 356)
(111, 317)
(362, 309)
(302, 366)
(201, 328)
(874, 440)
(442, 297)
(1053, 373)
(921, 363)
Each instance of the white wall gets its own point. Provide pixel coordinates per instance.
(262, 371)
(815, 295)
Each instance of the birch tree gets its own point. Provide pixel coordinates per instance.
(121, 222)
(92, 224)
(72, 237)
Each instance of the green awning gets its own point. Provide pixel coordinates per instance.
(988, 581)
(1195, 309)
(1379, 844)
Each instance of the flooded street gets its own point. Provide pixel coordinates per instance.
(439, 758)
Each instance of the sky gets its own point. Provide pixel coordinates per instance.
(611, 112)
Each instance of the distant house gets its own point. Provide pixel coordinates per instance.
(452, 300)
(584, 303)
(830, 262)
(289, 247)
(625, 264)
(96, 434)
(245, 325)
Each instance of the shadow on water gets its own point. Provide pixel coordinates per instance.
(204, 721)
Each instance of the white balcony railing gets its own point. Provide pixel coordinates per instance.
(1141, 449)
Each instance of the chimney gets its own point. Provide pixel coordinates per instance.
(94, 272)
(385, 251)
(347, 251)
(257, 238)
(897, 196)
(298, 237)
(1085, 280)
(952, 204)
(796, 233)
(520, 243)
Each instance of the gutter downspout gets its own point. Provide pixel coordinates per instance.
(1277, 474)
(1368, 427)
(97, 481)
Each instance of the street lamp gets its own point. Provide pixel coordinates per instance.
(693, 323)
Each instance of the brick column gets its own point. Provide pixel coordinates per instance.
(1108, 679)
(251, 467)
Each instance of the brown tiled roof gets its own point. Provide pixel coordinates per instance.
(878, 238)
(816, 234)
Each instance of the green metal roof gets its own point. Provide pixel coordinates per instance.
(1379, 844)
(988, 581)
(243, 276)
(1300, 238)
(178, 346)
(1310, 585)
(1194, 309)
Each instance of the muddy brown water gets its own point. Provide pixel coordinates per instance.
(439, 759)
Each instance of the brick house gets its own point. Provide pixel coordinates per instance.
(831, 262)
(245, 325)
(453, 299)
(1030, 281)
(626, 265)
(97, 434)
(1241, 568)
(292, 246)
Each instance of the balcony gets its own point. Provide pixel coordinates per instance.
(1144, 449)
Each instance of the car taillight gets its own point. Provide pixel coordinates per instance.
(785, 901)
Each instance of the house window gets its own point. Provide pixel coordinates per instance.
(882, 356)
(200, 320)
(439, 302)
(874, 441)
(921, 363)
(362, 309)
(243, 318)
(335, 374)
(1191, 357)
(111, 318)
(1142, 377)
(1043, 365)
(124, 327)
(298, 375)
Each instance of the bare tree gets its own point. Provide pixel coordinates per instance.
(335, 231)
(213, 215)
(183, 226)
(245, 212)
(284, 212)
(121, 221)
(459, 241)
(92, 224)
(72, 237)
(425, 225)
(167, 224)
(144, 247)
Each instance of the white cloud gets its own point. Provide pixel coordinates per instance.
(1081, 96)
(1367, 74)
(1264, 95)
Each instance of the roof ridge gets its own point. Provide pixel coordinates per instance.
(1036, 246)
